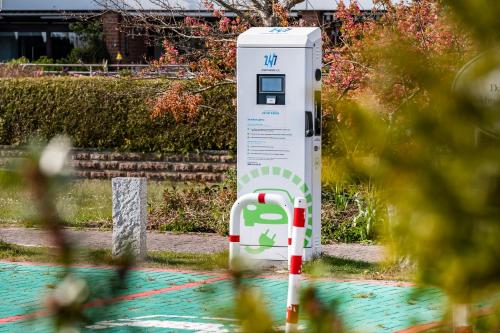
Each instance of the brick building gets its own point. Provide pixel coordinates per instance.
(34, 28)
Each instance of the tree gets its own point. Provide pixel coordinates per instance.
(206, 44)
(95, 49)
(254, 12)
(355, 65)
(347, 68)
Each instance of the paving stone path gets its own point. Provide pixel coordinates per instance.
(187, 243)
(172, 301)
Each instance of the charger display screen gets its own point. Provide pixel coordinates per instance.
(271, 89)
(271, 84)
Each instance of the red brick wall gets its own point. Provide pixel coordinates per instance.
(133, 49)
(112, 34)
(311, 18)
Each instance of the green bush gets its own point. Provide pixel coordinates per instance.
(108, 113)
(348, 213)
(19, 61)
(196, 208)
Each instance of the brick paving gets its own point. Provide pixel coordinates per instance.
(186, 243)
(172, 301)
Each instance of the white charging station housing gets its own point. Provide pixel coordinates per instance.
(279, 134)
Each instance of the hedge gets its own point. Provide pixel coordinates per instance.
(109, 113)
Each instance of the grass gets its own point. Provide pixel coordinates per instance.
(323, 267)
(212, 261)
(85, 203)
(334, 267)
(13, 252)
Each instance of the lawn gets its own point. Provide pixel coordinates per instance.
(212, 261)
(85, 203)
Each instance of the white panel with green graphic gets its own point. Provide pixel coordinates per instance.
(264, 227)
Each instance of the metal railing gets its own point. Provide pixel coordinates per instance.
(104, 69)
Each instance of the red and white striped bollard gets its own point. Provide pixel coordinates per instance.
(295, 265)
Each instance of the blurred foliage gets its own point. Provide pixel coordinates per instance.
(322, 318)
(252, 316)
(488, 321)
(111, 114)
(357, 70)
(44, 172)
(441, 183)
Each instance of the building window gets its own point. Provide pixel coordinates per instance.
(9, 49)
(33, 45)
(62, 43)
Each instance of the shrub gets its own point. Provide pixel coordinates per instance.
(107, 113)
(88, 55)
(18, 68)
(196, 208)
(349, 214)
(19, 61)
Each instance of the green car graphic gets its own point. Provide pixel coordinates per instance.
(266, 214)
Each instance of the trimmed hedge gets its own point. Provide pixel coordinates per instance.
(109, 113)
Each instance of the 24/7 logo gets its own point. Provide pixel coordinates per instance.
(270, 60)
(280, 30)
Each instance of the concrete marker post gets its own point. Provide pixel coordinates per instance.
(129, 216)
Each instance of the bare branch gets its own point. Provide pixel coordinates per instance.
(289, 4)
(240, 12)
(223, 83)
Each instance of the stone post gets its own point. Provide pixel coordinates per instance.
(129, 216)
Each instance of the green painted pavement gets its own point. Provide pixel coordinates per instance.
(365, 306)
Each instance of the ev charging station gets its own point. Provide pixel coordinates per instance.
(279, 135)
